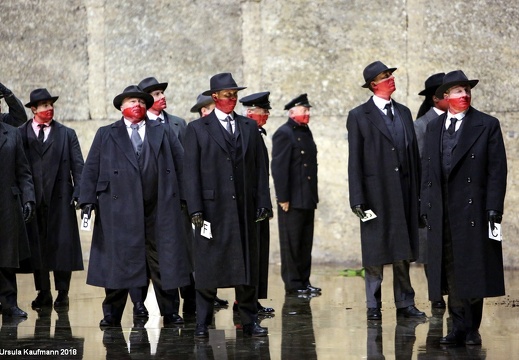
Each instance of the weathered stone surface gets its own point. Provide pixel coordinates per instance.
(87, 51)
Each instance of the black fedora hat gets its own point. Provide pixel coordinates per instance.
(372, 70)
(456, 77)
(301, 100)
(260, 99)
(223, 81)
(133, 91)
(201, 101)
(151, 84)
(38, 95)
(432, 83)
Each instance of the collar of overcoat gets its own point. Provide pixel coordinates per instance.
(213, 127)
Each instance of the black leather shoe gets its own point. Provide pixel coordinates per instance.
(297, 291)
(172, 319)
(201, 331)
(410, 312)
(44, 298)
(139, 310)
(14, 311)
(108, 321)
(264, 310)
(218, 303)
(313, 289)
(454, 337)
(374, 314)
(473, 338)
(254, 330)
(440, 304)
(62, 300)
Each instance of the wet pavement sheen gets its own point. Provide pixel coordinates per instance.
(330, 326)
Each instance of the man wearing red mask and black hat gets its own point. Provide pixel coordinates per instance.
(294, 170)
(133, 180)
(384, 177)
(227, 192)
(56, 164)
(463, 192)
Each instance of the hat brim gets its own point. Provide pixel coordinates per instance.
(209, 92)
(159, 86)
(444, 87)
(35, 103)
(366, 85)
(118, 100)
(198, 106)
(428, 91)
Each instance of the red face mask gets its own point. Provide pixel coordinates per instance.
(44, 116)
(260, 119)
(385, 88)
(135, 113)
(301, 119)
(459, 104)
(225, 105)
(159, 105)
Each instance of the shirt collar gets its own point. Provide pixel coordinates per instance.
(438, 111)
(379, 102)
(221, 115)
(128, 123)
(458, 116)
(152, 116)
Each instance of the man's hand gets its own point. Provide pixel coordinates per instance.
(74, 203)
(494, 217)
(262, 214)
(86, 209)
(284, 206)
(4, 91)
(359, 210)
(28, 211)
(197, 219)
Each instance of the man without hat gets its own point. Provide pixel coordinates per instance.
(133, 180)
(294, 170)
(463, 192)
(227, 192)
(16, 115)
(56, 161)
(384, 177)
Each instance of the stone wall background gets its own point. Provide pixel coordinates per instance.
(88, 51)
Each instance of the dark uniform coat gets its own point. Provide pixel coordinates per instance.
(16, 189)
(230, 258)
(477, 183)
(112, 181)
(374, 180)
(56, 168)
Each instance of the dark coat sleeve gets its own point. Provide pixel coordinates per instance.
(77, 163)
(16, 115)
(281, 156)
(90, 174)
(355, 160)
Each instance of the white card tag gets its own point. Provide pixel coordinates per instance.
(370, 215)
(205, 231)
(495, 233)
(86, 223)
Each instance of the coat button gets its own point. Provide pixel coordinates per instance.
(298, 139)
(429, 184)
(429, 205)
(473, 156)
(309, 178)
(302, 151)
(396, 169)
(116, 172)
(234, 197)
(231, 178)
(472, 223)
(429, 227)
(470, 201)
(469, 180)
(392, 149)
(168, 171)
(228, 159)
(305, 165)
(115, 197)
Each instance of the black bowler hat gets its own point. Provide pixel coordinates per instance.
(260, 100)
(456, 77)
(223, 81)
(432, 83)
(38, 95)
(372, 70)
(201, 101)
(151, 84)
(133, 91)
(301, 100)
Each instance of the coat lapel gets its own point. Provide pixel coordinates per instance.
(244, 125)
(3, 135)
(373, 115)
(471, 129)
(57, 140)
(155, 133)
(213, 128)
(436, 128)
(121, 138)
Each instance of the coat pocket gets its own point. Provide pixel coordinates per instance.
(102, 186)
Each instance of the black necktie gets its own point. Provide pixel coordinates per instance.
(229, 126)
(452, 126)
(389, 112)
(136, 139)
(41, 134)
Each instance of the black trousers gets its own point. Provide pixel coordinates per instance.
(8, 288)
(61, 280)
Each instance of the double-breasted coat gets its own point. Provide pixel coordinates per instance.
(16, 189)
(56, 168)
(230, 258)
(476, 184)
(374, 180)
(112, 182)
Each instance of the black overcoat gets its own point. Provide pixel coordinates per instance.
(16, 189)
(477, 183)
(374, 180)
(230, 258)
(63, 168)
(111, 180)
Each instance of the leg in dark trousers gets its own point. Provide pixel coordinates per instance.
(247, 303)
(113, 305)
(8, 288)
(205, 305)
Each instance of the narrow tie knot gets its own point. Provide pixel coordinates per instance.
(228, 120)
(452, 126)
(133, 126)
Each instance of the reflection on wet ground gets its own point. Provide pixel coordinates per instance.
(330, 326)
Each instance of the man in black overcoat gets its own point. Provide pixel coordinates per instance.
(463, 192)
(227, 191)
(132, 179)
(16, 115)
(294, 170)
(384, 176)
(56, 164)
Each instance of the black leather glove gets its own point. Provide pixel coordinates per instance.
(197, 219)
(262, 214)
(359, 210)
(86, 209)
(4, 91)
(422, 221)
(74, 203)
(28, 211)
(494, 217)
